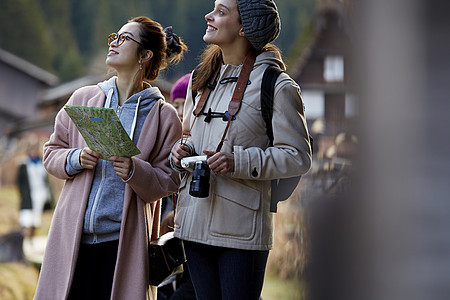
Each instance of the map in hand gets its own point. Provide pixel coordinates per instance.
(102, 131)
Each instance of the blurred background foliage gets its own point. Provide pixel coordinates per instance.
(68, 37)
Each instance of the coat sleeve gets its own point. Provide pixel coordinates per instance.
(291, 154)
(58, 147)
(154, 179)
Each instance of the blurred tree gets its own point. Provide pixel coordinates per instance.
(23, 32)
(69, 36)
(295, 16)
(67, 60)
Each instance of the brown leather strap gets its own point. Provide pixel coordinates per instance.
(235, 102)
(223, 139)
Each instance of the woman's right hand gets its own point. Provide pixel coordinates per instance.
(89, 158)
(179, 151)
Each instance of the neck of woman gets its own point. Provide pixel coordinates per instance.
(126, 87)
(235, 55)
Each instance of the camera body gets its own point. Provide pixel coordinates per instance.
(199, 186)
(188, 162)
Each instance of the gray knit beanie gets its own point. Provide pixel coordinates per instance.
(260, 21)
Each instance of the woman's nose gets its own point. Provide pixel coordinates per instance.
(114, 43)
(208, 16)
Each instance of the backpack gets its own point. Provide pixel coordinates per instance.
(281, 189)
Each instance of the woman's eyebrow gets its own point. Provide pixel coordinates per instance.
(127, 32)
(224, 6)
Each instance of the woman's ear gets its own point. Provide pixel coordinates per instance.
(147, 55)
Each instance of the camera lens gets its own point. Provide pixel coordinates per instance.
(200, 180)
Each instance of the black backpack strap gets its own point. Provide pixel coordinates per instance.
(267, 92)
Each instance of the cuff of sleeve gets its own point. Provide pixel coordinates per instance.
(131, 171)
(188, 143)
(240, 162)
(73, 165)
(244, 167)
(173, 166)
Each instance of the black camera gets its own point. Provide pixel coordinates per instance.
(200, 180)
(199, 186)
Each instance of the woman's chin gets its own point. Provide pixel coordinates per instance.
(208, 38)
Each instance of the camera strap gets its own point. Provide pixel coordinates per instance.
(235, 102)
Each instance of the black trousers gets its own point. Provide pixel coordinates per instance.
(94, 271)
(221, 273)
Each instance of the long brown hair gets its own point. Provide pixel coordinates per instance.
(154, 38)
(211, 59)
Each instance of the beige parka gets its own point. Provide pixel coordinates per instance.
(236, 213)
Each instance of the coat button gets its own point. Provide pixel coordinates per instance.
(255, 173)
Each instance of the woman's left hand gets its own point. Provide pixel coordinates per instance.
(220, 162)
(122, 166)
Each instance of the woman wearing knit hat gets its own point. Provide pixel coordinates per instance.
(225, 220)
(178, 94)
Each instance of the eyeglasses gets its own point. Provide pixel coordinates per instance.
(121, 38)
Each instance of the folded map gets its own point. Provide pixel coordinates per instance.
(102, 131)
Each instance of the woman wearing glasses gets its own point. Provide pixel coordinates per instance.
(228, 229)
(97, 241)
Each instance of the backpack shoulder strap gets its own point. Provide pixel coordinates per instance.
(267, 92)
(281, 188)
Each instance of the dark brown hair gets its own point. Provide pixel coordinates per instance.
(154, 38)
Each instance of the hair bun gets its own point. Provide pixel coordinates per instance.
(173, 41)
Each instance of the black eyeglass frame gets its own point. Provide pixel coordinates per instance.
(114, 36)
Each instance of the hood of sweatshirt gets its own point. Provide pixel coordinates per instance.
(264, 58)
(149, 94)
(141, 102)
(269, 57)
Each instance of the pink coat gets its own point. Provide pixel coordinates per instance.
(151, 180)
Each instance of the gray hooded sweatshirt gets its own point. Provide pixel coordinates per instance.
(104, 210)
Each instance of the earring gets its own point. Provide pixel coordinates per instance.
(140, 64)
